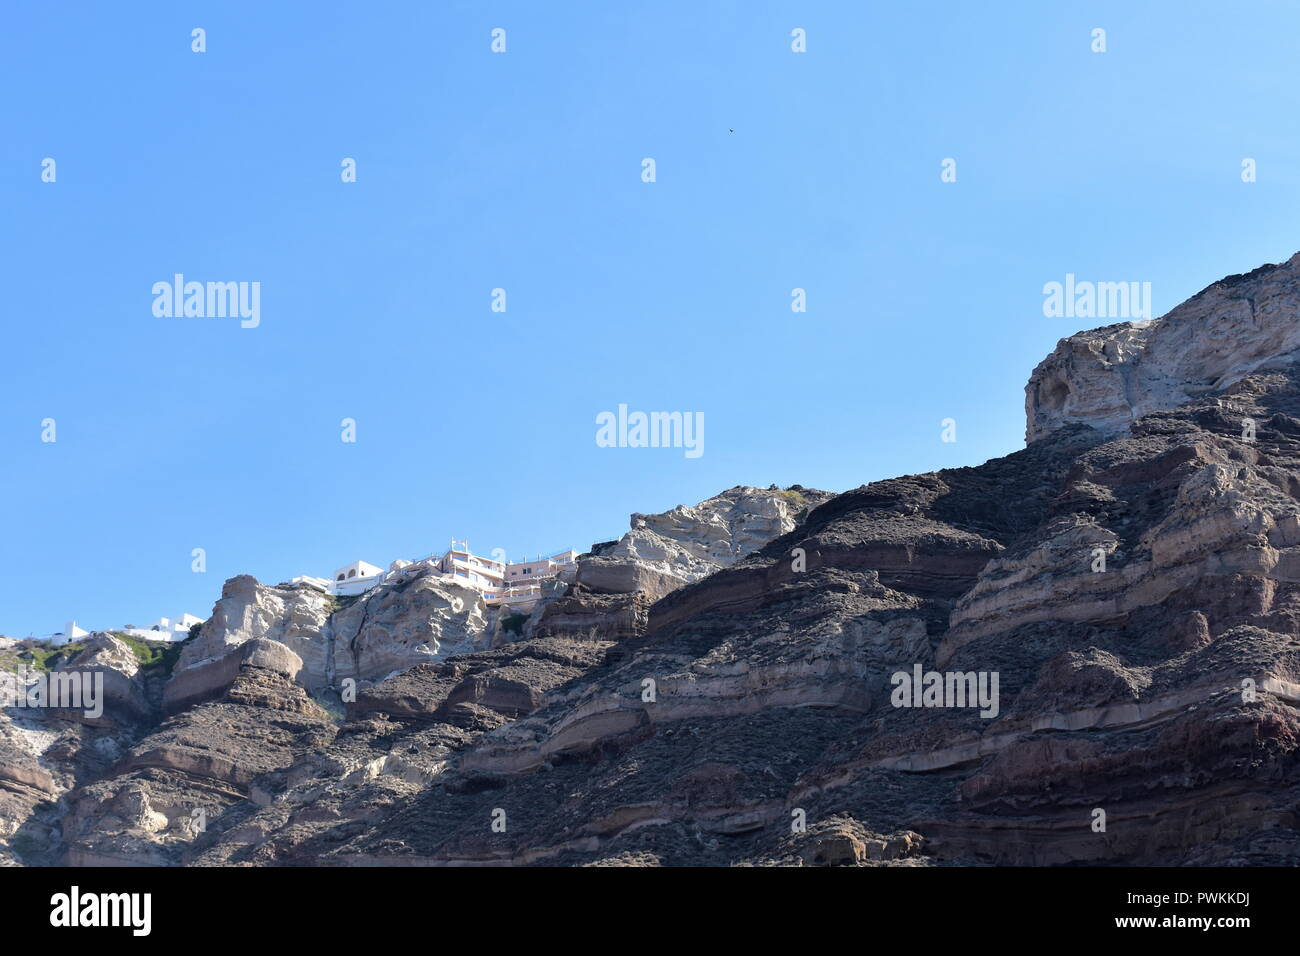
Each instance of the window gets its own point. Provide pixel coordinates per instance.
(352, 573)
(340, 577)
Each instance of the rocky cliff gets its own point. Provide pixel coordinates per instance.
(287, 694)
(615, 585)
(384, 630)
(1110, 377)
(1103, 631)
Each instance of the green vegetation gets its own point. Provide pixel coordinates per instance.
(342, 602)
(43, 656)
(38, 656)
(148, 653)
(43, 659)
(170, 655)
(155, 655)
(795, 498)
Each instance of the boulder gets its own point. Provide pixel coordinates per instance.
(296, 616)
(209, 679)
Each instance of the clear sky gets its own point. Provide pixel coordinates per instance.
(523, 171)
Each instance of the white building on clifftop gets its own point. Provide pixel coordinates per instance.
(71, 632)
(517, 585)
(355, 578)
(166, 628)
(163, 629)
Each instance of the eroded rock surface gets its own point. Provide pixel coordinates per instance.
(1109, 377)
(385, 630)
(396, 739)
(616, 583)
(721, 686)
(161, 795)
(47, 752)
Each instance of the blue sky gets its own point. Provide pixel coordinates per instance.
(522, 171)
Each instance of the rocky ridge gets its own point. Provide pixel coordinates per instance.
(1110, 377)
(287, 693)
(615, 585)
(718, 686)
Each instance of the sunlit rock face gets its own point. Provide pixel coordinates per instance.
(296, 617)
(1111, 376)
(615, 585)
(386, 629)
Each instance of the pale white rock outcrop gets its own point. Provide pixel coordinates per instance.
(386, 629)
(1111, 376)
(114, 662)
(394, 627)
(690, 542)
(614, 586)
(295, 616)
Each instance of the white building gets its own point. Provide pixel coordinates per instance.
(524, 579)
(165, 628)
(484, 574)
(71, 632)
(517, 585)
(355, 578)
(179, 629)
(539, 569)
(349, 580)
(322, 584)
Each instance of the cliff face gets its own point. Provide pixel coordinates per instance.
(48, 754)
(614, 587)
(1109, 377)
(1145, 705)
(287, 697)
(384, 630)
(722, 685)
